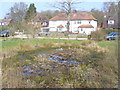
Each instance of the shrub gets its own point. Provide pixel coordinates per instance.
(107, 31)
(100, 34)
(86, 42)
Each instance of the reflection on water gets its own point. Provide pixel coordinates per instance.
(60, 59)
(29, 70)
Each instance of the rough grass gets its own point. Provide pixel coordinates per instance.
(13, 43)
(98, 74)
(11, 46)
(111, 45)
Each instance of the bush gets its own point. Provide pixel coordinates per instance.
(100, 34)
(107, 31)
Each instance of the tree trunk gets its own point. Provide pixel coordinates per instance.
(68, 23)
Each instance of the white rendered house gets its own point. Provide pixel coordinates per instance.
(80, 22)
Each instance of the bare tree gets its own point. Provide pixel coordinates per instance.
(110, 8)
(106, 6)
(17, 12)
(111, 11)
(67, 7)
(99, 15)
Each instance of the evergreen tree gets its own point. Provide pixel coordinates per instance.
(31, 12)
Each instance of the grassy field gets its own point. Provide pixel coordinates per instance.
(97, 74)
(13, 43)
(111, 45)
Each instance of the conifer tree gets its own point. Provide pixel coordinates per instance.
(31, 12)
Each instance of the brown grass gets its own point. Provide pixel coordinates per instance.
(97, 74)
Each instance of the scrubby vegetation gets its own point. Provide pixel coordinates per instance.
(100, 34)
(98, 66)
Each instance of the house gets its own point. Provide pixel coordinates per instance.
(39, 22)
(111, 21)
(4, 22)
(80, 22)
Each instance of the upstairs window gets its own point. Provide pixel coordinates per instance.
(75, 22)
(89, 22)
(79, 22)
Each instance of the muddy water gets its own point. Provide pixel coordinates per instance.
(60, 60)
(52, 63)
(42, 61)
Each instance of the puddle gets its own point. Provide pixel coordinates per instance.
(28, 71)
(60, 59)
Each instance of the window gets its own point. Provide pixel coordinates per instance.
(2, 23)
(89, 22)
(60, 28)
(33, 22)
(81, 29)
(79, 22)
(75, 22)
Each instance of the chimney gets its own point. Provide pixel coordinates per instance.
(74, 11)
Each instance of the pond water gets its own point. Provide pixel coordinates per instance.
(48, 60)
(60, 59)
(53, 61)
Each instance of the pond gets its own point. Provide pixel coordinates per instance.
(47, 60)
(52, 59)
(37, 62)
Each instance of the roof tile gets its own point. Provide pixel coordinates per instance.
(60, 26)
(75, 16)
(85, 26)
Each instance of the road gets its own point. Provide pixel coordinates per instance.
(25, 37)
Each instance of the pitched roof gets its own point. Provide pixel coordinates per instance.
(60, 26)
(85, 26)
(5, 20)
(40, 18)
(75, 16)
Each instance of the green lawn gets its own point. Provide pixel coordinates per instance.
(111, 45)
(29, 44)
(15, 43)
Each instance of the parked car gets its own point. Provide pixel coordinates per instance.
(113, 36)
(5, 33)
(43, 33)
